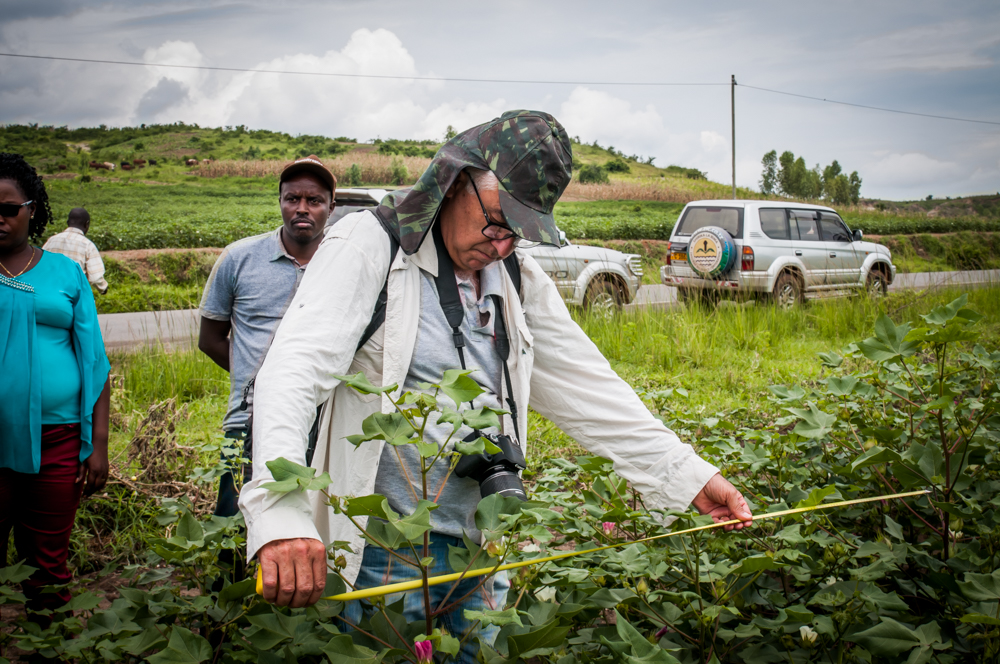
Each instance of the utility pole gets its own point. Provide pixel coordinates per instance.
(732, 103)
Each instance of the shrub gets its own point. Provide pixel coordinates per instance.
(593, 174)
(85, 178)
(617, 165)
(399, 173)
(352, 177)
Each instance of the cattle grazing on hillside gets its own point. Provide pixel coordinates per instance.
(126, 166)
(191, 162)
(108, 165)
(152, 162)
(125, 163)
(139, 162)
(206, 161)
(62, 167)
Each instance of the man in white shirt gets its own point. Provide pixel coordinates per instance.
(486, 190)
(73, 243)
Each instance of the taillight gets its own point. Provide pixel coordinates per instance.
(747, 263)
(670, 248)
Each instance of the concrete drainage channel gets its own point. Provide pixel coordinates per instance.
(178, 330)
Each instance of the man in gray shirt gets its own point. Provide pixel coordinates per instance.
(251, 284)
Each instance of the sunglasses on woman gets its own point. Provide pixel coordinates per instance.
(11, 210)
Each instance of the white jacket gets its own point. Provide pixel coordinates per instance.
(553, 366)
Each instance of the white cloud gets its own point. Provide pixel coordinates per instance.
(911, 169)
(712, 141)
(597, 115)
(945, 46)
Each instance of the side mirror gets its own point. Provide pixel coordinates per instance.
(858, 235)
(562, 239)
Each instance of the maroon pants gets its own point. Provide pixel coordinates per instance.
(40, 509)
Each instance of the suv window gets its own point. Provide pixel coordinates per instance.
(729, 219)
(834, 230)
(774, 224)
(803, 225)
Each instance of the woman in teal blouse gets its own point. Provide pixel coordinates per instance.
(54, 388)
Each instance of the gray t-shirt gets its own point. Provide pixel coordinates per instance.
(251, 284)
(433, 354)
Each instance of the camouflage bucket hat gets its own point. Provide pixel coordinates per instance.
(528, 151)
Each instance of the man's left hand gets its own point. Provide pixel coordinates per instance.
(721, 500)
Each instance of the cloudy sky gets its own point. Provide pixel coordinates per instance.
(922, 56)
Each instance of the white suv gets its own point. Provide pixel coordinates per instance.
(787, 251)
(594, 277)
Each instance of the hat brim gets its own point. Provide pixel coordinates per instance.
(531, 224)
(324, 175)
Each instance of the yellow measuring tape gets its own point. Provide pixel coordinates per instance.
(414, 584)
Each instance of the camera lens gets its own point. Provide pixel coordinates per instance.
(504, 482)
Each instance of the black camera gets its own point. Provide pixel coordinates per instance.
(496, 473)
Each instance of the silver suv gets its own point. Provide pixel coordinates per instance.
(785, 251)
(594, 277)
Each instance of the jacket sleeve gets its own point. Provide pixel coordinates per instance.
(574, 386)
(315, 341)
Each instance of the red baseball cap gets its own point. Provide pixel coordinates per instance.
(313, 165)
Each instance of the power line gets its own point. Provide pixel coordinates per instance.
(448, 79)
(873, 108)
(338, 75)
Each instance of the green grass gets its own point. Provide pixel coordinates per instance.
(726, 357)
(939, 253)
(157, 282)
(617, 220)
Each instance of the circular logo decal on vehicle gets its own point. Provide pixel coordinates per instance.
(711, 251)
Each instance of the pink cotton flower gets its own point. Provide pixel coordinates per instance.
(425, 652)
(609, 527)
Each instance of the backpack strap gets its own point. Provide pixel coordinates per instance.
(378, 315)
(514, 270)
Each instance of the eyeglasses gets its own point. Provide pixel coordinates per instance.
(493, 230)
(11, 210)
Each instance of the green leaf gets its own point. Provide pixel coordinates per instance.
(184, 647)
(980, 619)
(16, 573)
(887, 639)
(642, 650)
(271, 629)
(457, 384)
(283, 469)
(412, 526)
(549, 635)
(942, 314)
(482, 418)
(981, 587)
(341, 650)
(498, 618)
(831, 360)
(189, 528)
(392, 427)
(490, 514)
(814, 422)
(889, 341)
(477, 446)
(754, 564)
(371, 505)
(817, 496)
(85, 601)
(361, 383)
(894, 529)
(427, 450)
(783, 393)
(238, 590)
(841, 386)
(877, 454)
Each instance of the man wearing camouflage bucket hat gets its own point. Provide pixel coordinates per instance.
(485, 191)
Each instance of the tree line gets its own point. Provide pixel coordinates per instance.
(789, 175)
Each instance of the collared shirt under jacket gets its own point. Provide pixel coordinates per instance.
(554, 367)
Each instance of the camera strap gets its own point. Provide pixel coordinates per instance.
(454, 313)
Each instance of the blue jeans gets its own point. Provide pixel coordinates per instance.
(379, 568)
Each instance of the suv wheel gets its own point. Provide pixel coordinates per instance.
(875, 284)
(603, 297)
(787, 291)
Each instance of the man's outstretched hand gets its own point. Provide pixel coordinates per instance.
(720, 500)
(294, 571)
